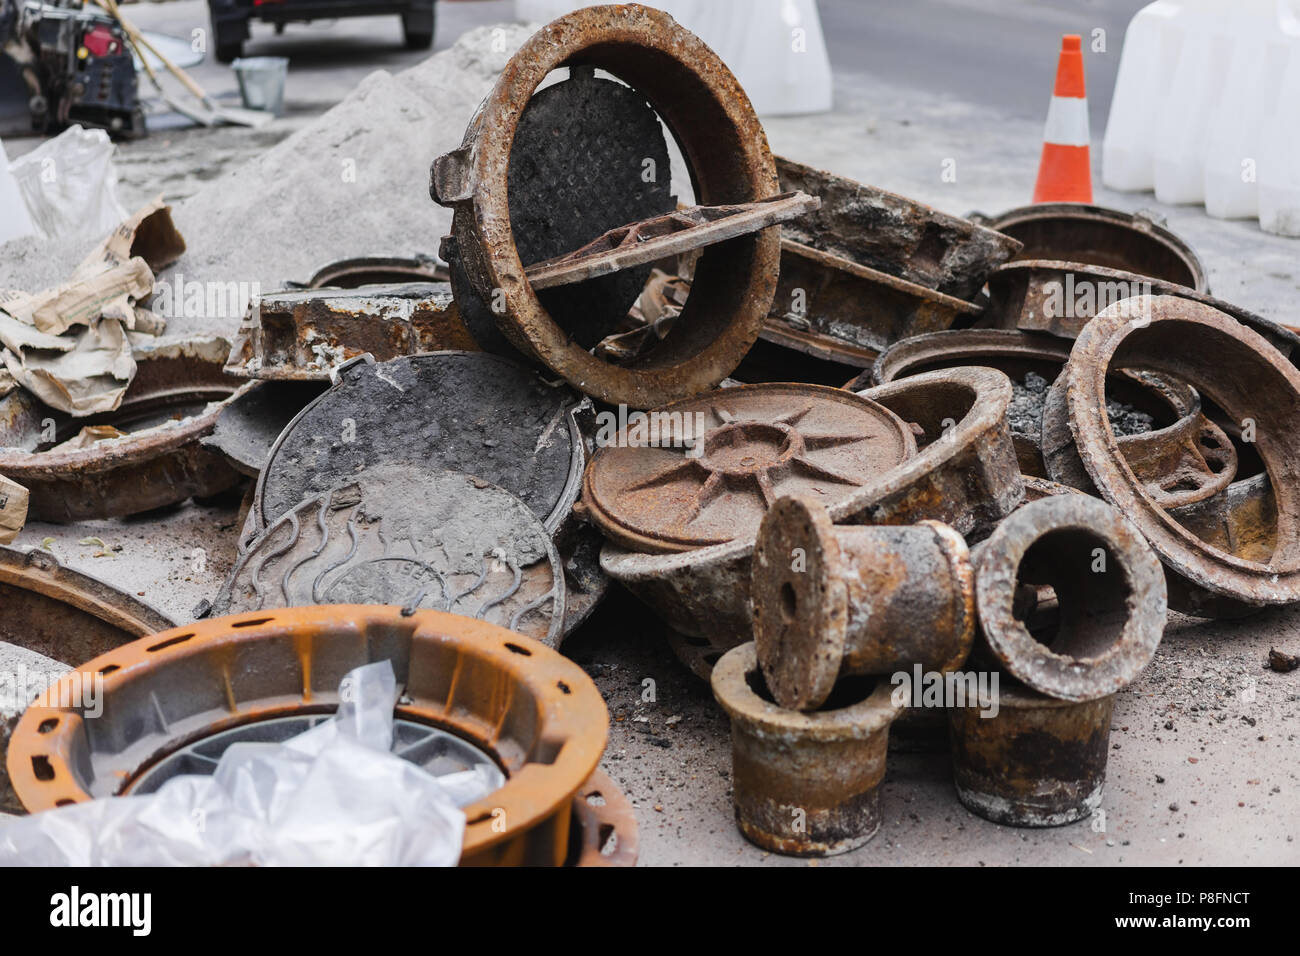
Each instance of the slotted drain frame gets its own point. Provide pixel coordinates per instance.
(537, 713)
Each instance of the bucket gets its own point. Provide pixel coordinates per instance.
(261, 82)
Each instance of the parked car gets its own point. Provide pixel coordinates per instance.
(230, 18)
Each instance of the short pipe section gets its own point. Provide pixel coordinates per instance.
(836, 601)
(804, 784)
(1034, 761)
(1106, 583)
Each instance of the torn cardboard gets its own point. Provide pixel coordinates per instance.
(13, 509)
(68, 345)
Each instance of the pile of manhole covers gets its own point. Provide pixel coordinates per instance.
(473, 694)
(444, 480)
(501, 185)
(696, 576)
(144, 455)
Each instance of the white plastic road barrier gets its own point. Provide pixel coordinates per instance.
(15, 223)
(775, 47)
(1279, 154)
(1247, 105)
(1207, 109)
(1146, 67)
(1182, 129)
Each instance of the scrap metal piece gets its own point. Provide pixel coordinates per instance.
(828, 764)
(1109, 588)
(250, 423)
(895, 235)
(537, 714)
(463, 411)
(306, 334)
(681, 231)
(730, 164)
(705, 471)
(1241, 521)
(964, 475)
(1035, 360)
(64, 614)
(1243, 375)
(1181, 464)
(357, 271)
(832, 602)
(1097, 236)
(407, 535)
(1043, 295)
(604, 828)
(839, 310)
(145, 455)
(1037, 762)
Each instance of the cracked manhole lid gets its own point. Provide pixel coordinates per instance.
(401, 534)
(705, 470)
(463, 411)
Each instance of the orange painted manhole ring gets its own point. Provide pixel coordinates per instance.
(535, 712)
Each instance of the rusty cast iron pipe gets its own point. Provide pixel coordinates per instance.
(804, 784)
(1110, 589)
(1038, 762)
(831, 602)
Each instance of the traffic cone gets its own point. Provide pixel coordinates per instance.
(1065, 171)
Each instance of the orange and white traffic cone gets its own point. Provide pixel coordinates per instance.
(1065, 171)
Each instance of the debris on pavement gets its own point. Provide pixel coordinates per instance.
(968, 544)
(1281, 662)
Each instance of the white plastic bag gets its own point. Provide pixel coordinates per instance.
(70, 186)
(333, 796)
(15, 223)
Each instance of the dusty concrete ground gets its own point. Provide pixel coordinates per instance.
(1204, 766)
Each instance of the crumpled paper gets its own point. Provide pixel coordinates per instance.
(68, 345)
(333, 796)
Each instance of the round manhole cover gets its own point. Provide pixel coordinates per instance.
(403, 535)
(705, 470)
(462, 411)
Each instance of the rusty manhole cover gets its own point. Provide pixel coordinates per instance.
(589, 155)
(732, 176)
(707, 469)
(143, 455)
(402, 535)
(463, 411)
